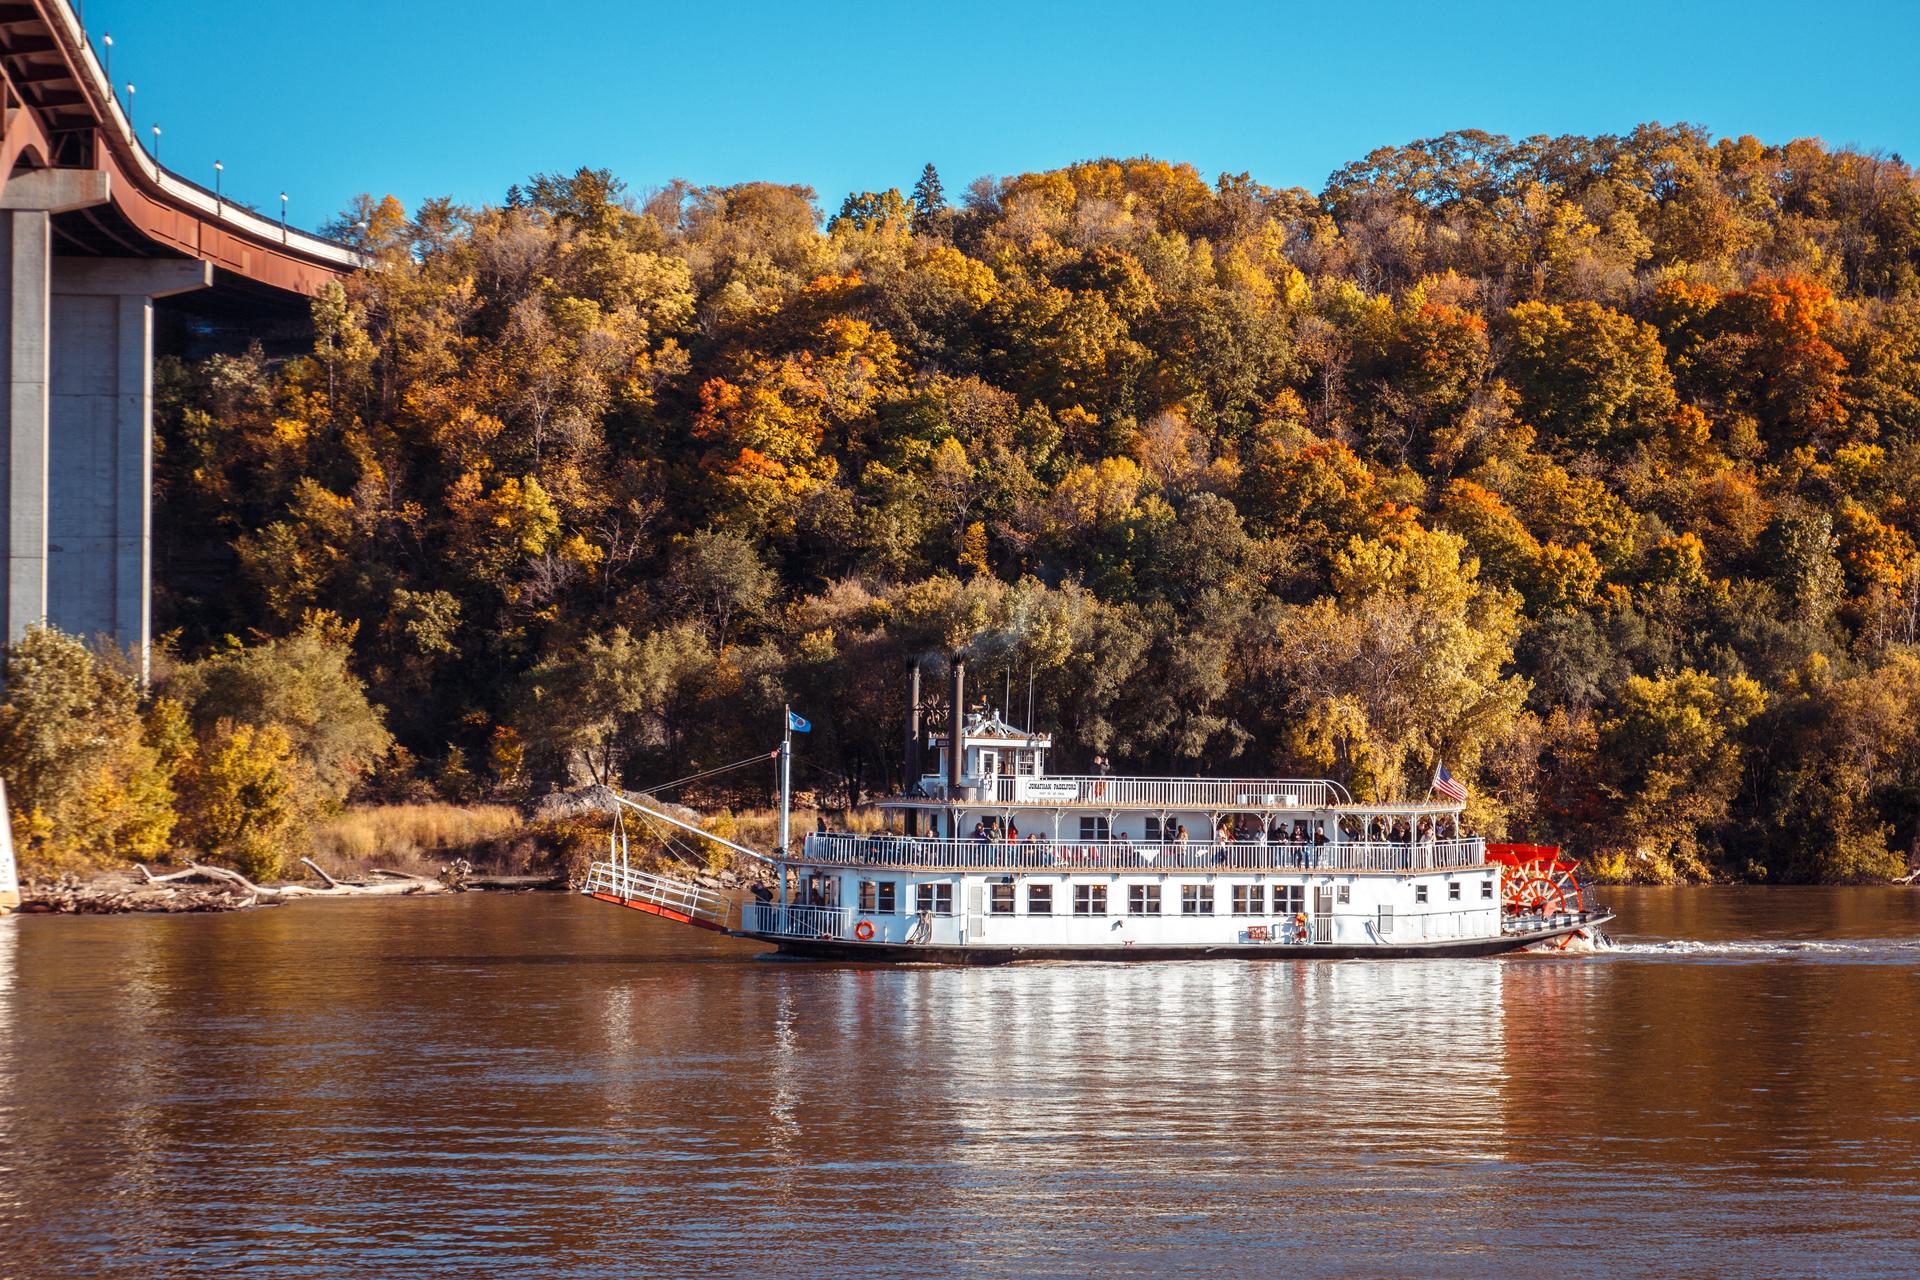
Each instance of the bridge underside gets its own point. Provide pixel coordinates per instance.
(94, 233)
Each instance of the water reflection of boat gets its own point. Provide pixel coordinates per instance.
(988, 858)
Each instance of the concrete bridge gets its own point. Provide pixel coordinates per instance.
(92, 230)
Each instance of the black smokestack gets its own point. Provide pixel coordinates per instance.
(957, 726)
(913, 725)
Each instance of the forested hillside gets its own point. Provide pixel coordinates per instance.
(1588, 465)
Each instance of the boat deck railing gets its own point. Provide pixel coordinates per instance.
(787, 920)
(1265, 795)
(1539, 921)
(1126, 855)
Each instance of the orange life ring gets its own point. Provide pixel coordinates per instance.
(864, 931)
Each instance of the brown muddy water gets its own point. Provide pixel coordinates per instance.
(541, 1085)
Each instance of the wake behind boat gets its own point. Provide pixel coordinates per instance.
(988, 858)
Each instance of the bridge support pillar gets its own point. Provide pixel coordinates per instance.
(100, 434)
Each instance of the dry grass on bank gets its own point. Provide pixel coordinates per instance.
(760, 828)
(418, 837)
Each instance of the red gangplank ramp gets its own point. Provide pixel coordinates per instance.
(655, 909)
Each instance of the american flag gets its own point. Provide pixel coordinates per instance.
(1446, 785)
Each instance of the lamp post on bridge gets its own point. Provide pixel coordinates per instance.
(218, 169)
(106, 41)
(130, 104)
(156, 144)
(283, 217)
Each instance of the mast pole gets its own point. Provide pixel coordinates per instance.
(786, 778)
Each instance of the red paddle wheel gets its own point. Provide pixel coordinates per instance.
(1537, 880)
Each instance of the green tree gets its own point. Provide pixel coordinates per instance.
(719, 580)
(929, 201)
(595, 706)
(1672, 752)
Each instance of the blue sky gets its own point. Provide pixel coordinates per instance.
(462, 97)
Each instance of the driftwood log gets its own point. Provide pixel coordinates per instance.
(397, 882)
(111, 895)
(199, 887)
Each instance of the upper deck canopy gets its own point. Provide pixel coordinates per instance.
(1003, 768)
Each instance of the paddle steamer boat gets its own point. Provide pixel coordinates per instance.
(989, 858)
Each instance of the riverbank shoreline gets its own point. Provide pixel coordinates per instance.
(198, 888)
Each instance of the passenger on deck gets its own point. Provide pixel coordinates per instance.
(980, 832)
(1013, 831)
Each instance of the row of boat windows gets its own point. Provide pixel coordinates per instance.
(1171, 830)
(881, 897)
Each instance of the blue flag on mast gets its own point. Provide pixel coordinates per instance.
(797, 725)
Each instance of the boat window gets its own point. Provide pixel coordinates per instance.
(1023, 763)
(1196, 899)
(1143, 899)
(1153, 829)
(887, 903)
(1419, 893)
(1486, 888)
(1093, 828)
(1453, 891)
(1249, 899)
(1089, 899)
(1039, 899)
(1344, 893)
(1000, 899)
(1291, 899)
(937, 898)
(816, 890)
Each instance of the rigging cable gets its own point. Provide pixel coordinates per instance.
(708, 773)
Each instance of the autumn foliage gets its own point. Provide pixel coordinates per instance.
(1588, 465)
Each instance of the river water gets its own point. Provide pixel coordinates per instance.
(540, 1085)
